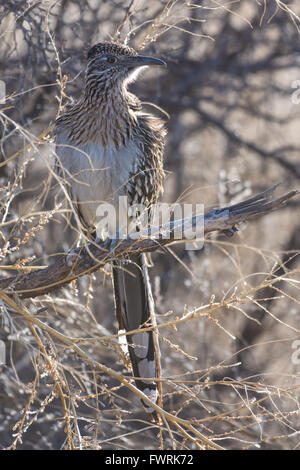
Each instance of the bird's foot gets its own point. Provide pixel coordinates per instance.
(72, 256)
(75, 254)
(108, 244)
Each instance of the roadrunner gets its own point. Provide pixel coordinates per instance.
(108, 147)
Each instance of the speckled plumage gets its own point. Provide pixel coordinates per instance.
(108, 147)
(110, 117)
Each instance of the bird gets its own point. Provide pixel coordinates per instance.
(108, 148)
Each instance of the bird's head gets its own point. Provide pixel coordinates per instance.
(117, 62)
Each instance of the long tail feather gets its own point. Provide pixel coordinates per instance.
(135, 309)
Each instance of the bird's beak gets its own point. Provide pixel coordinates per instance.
(140, 61)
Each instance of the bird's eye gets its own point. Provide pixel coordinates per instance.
(109, 58)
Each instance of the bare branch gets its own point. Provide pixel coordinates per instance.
(91, 257)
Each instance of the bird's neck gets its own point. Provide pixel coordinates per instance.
(103, 116)
(106, 113)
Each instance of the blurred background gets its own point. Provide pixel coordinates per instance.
(230, 97)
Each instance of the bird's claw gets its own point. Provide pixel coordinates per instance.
(109, 244)
(71, 257)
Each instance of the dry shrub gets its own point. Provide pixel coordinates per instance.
(228, 314)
